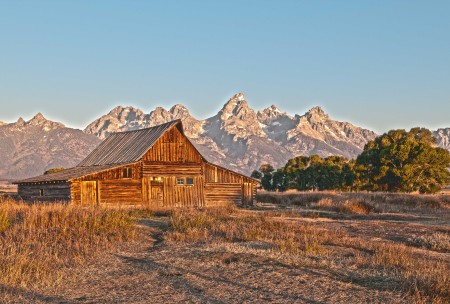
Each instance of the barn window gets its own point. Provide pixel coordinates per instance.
(189, 181)
(127, 173)
(41, 192)
(180, 181)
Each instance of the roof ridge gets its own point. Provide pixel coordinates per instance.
(143, 129)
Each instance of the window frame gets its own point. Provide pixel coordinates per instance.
(127, 172)
(184, 181)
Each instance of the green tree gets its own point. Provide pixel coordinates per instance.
(256, 174)
(279, 181)
(266, 180)
(401, 161)
(316, 173)
(54, 170)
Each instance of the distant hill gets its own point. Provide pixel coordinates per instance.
(28, 148)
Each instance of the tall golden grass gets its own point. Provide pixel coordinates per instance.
(38, 242)
(228, 225)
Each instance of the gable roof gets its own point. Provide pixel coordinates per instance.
(127, 147)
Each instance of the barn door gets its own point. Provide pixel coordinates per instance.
(156, 191)
(89, 193)
(247, 194)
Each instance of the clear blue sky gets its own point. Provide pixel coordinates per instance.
(378, 64)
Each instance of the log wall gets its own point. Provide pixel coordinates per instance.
(223, 193)
(126, 191)
(223, 185)
(50, 192)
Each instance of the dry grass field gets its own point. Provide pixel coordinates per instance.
(289, 248)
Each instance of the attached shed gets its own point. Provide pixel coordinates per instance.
(156, 166)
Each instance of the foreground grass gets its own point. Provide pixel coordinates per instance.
(424, 277)
(39, 242)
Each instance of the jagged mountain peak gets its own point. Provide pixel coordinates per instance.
(272, 113)
(120, 112)
(238, 96)
(119, 118)
(235, 103)
(236, 106)
(179, 111)
(37, 119)
(272, 109)
(237, 119)
(317, 110)
(40, 121)
(39, 116)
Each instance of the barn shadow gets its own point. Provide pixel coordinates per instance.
(178, 280)
(22, 295)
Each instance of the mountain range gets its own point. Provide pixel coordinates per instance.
(237, 137)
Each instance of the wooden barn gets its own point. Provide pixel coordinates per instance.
(156, 166)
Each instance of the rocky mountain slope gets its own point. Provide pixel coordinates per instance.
(241, 138)
(28, 148)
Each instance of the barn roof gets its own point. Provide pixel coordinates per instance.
(127, 147)
(66, 174)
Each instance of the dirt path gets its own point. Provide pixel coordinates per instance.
(155, 271)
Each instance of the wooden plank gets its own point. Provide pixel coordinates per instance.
(121, 191)
(173, 147)
(222, 192)
(169, 169)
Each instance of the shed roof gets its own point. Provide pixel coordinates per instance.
(127, 147)
(66, 174)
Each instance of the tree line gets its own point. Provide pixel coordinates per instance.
(397, 161)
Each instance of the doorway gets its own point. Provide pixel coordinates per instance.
(157, 191)
(89, 193)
